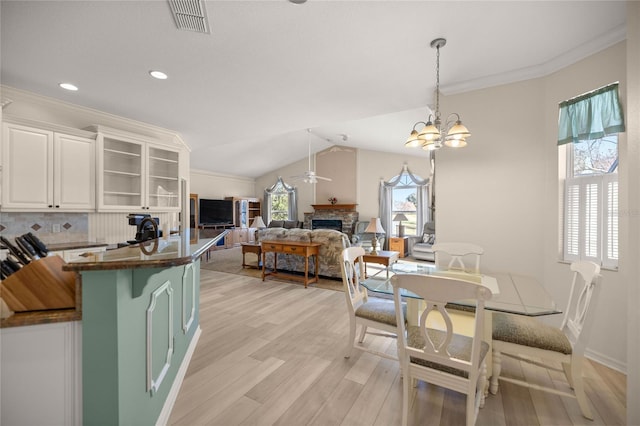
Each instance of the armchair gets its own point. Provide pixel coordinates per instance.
(363, 239)
(423, 250)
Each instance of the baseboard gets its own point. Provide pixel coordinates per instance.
(606, 361)
(163, 418)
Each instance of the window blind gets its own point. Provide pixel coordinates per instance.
(591, 219)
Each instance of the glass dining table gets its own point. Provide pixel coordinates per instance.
(511, 293)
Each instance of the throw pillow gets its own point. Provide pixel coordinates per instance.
(428, 238)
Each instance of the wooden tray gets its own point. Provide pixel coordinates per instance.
(40, 285)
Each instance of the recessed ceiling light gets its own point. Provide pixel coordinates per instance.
(158, 74)
(68, 86)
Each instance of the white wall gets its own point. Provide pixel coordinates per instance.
(491, 191)
(217, 186)
(630, 206)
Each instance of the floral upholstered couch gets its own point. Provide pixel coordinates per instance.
(333, 243)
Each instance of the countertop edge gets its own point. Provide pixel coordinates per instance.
(148, 263)
(74, 245)
(20, 319)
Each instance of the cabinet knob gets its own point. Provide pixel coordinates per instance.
(50, 205)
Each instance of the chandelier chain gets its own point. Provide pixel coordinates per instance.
(437, 82)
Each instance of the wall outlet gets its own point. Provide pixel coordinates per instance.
(56, 227)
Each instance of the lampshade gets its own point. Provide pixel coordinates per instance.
(400, 217)
(257, 223)
(429, 132)
(413, 141)
(375, 226)
(457, 135)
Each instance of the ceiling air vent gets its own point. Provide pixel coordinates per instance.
(190, 15)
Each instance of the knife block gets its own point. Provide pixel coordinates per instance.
(40, 285)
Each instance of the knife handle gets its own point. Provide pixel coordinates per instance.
(27, 248)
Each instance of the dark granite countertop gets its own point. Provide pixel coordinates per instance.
(40, 317)
(158, 253)
(74, 245)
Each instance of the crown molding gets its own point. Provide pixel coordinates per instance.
(52, 127)
(24, 102)
(559, 62)
(222, 175)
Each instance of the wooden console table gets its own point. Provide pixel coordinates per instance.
(290, 247)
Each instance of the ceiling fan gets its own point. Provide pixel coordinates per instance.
(310, 176)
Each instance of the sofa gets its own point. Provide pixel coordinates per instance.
(333, 243)
(363, 239)
(287, 224)
(423, 250)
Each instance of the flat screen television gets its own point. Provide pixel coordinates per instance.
(216, 212)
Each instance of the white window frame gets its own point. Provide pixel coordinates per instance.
(590, 227)
(407, 183)
(280, 191)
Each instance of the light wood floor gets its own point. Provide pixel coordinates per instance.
(272, 353)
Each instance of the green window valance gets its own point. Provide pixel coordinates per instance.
(591, 116)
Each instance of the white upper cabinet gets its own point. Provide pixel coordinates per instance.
(74, 172)
(164, 184)
(47, 171)
(136, 175)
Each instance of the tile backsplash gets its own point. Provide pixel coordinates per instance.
(54, 228)
(49, 227)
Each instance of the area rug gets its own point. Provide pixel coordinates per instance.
(230, 261)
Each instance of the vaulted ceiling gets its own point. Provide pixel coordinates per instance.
(243, 95)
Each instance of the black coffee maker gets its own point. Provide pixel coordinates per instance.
(147, 227)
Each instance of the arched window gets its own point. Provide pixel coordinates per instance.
(281, 200)
(405, 193)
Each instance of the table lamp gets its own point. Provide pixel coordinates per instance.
(399, 218)
(257, 223)
(376, 228)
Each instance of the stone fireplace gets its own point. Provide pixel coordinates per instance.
(326, 216)
(335, 224)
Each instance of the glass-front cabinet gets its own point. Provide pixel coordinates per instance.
(137, 175)
(122, 168)
(164, 183)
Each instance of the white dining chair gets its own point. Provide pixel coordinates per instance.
(442, 356)
(452, 256)
(368, 312)
(524, 338)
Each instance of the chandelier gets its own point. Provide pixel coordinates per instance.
(431, 136)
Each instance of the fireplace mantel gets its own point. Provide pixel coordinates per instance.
(334, 206)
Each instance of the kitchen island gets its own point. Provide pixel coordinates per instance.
(140, 326)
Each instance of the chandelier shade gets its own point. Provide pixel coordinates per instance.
(413, 141)
(430, 137)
